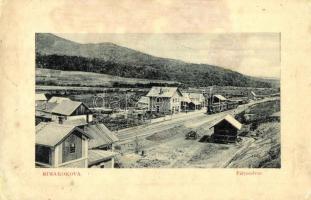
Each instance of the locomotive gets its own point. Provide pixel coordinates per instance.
(218, 103)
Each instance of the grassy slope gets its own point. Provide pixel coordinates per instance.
(78, 78)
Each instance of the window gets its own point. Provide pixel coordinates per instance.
(158, 99)
(72, 148)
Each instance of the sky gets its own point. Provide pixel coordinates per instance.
(254, 54)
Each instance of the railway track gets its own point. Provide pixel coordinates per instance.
(192, 121)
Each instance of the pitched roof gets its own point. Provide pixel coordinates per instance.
(66, 107)
(163, 92)
(195, 102)
(50, 134)
(220, 97)
(231, 120)
(186, 97)
(40, 97)
(42, 114)
(195, 95)
(97, 156)
(46, 106)
(76, 122)
(100, 134)
(58, 99)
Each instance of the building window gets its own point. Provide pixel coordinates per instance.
(72, 148)
(158, 99)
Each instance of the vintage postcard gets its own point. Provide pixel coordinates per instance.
(190, 99)
(158, 100)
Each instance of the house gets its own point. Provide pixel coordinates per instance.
(71, 110)
(226, 130)
(101, 159)
(43, 112)
(61, 110)
(185, 101)
(40, 98)
(102, 137)
(197, 100)
(164, 99)
(68, 145)
(143, 102)
(58, 99)
(59, 145)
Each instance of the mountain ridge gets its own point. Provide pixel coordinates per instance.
(54, 52)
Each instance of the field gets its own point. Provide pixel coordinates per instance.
(89, 79)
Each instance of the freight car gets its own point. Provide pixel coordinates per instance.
(220, 107)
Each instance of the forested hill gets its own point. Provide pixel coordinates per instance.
(53, 52)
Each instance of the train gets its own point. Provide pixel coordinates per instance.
(218, 103)
(222, 106)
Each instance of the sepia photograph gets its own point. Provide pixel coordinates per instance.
(140, 100)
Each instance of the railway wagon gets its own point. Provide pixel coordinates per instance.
(220, 107)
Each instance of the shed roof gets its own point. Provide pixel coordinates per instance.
(163, 92)
(220, 97)
(40, 97)
(231, 120)
(100, 134)
(66, 107)
(58, 99)
(97, 156)
(50, 134)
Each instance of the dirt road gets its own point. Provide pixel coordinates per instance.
(166, 146)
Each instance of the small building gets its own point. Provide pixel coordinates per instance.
(185, 101)
(43, 112)
(40, 97)
(192, 101)
(74, 144)
(59, 145)
(226, 130)
(165, 99)
(41, 116)
(197, 99)
(217, 98)
(101, 159)
(102, 137)
(71, 110)
(143, 102)
(58, 99)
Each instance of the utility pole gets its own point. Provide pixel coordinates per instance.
(125, 100)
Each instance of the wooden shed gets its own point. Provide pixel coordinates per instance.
(226, 130)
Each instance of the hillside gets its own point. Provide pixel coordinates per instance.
(53, 52)
(88, 79)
